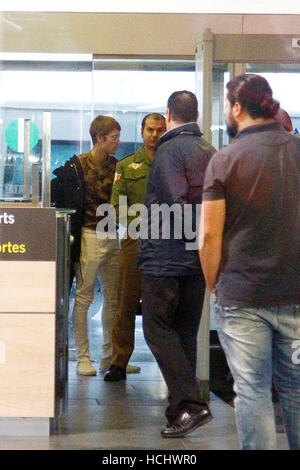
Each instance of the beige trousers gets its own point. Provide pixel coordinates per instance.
(98, 259)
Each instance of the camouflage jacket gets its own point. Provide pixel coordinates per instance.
(131, 180)
(69, 191)
(98, 179)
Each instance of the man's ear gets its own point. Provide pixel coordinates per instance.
(168, 115)
(100, 139)
(237, 109)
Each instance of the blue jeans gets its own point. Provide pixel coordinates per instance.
(259, 342)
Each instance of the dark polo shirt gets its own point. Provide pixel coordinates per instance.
(258, 175)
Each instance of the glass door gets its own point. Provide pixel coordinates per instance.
(128, 88)
(30, 85)
(220, 57)
(284, 80)
(218, 126)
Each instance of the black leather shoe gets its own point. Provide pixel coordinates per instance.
(115, 374)
(186, 423)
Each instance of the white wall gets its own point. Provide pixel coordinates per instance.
(136, 33)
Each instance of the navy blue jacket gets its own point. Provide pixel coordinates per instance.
(176, 177)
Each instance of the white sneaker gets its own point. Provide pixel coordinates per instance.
(85, 368)
(130, 369)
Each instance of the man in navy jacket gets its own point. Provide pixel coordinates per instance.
(173, 285)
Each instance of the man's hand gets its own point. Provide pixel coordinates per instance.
(211, 239)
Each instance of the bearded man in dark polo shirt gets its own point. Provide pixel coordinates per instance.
(250, 254)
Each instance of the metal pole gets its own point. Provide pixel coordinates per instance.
(236, 69)
(26, 181)
(203, 363)
(204, 81)
(46, 157)
(35, 183)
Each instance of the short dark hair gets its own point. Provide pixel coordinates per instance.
(183, 106)
(254, 93)
(103, 125)
(155, 116)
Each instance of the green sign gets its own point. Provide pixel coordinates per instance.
(14, 135)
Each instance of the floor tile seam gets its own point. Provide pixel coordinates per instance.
(121, 405)
(101, 379)
(83, 399)
(137, 401)
(135, 404)
(132, 403)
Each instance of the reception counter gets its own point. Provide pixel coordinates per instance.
(34, 288)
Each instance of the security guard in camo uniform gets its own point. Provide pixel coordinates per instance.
(131, 179)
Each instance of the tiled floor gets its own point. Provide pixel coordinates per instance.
(127, 415)
(130, 415)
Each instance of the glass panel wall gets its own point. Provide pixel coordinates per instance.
(128, 89)
(31, 84)
(283, 79)
(75, 89)
(218, 128)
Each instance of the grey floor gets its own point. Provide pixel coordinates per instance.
(126, 415)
